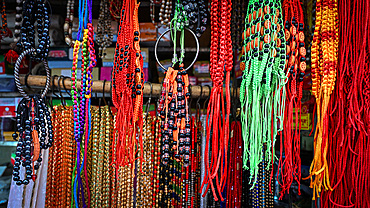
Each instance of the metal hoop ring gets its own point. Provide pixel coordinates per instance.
(160, 37)
(16, 74)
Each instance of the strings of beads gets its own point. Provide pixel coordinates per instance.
(35, 132)
(153, 4)
(4, 30)
(18, 20)
(68, 23)
(196, 12)
(237, 23)
(165, 13)
(35, 12)
(104, 35)
(61, 159)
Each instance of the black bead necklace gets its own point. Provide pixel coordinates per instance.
(196, 11)
(35, 11)
(33, 126)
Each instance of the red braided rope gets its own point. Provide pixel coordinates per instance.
(217, 115)
(349, 119)
(127, 86)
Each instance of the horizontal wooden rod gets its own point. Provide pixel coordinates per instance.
(39, 81)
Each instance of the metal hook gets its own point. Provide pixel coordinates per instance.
(197, 105)
(64, 86)
(62, 100)
(105, 102)
(26, 80)
(209, 96)
(53, 86)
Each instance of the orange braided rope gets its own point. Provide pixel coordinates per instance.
(324, 67)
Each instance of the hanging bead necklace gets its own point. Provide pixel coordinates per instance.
(153, 4)
(33, 119)
(104, 35)
(234, 180)
(237, 23)
(68, 24)
(196, 12)
(4, 30)
(262, 91)
(217, 115)
(59, 178)
(165, 13)
(35, 12)
(18, 21)
(81, 104)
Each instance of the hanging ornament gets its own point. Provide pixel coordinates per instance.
(34, 127)
(104, 35)
(35, 12)
(127, 87)
(217, 113)
(68, 23)
(262, 91)
(34, 124)
(81, 101)
(18, 20)
(165, 13)
(324, 68)
(4, 30)
(290, 159)
(196, 12)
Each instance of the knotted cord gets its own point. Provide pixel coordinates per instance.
(262, 91)
(324, 68)
(221, 56)
(290, 159)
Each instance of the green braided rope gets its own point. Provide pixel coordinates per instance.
(262, 88)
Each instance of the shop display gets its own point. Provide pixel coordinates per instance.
(242, 142)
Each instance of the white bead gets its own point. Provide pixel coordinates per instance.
(68, 40)
(66, 26)
(18, 16)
